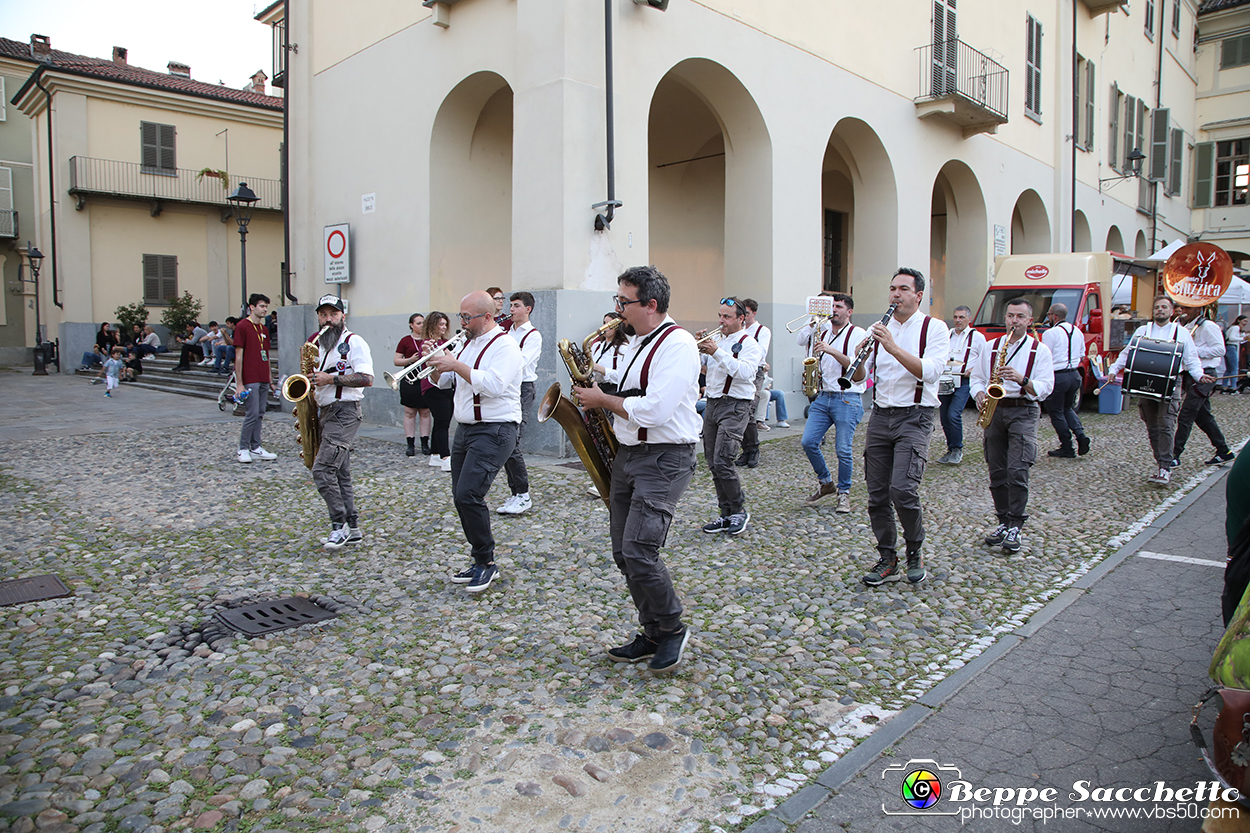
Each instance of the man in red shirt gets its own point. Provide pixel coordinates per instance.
(251, 343)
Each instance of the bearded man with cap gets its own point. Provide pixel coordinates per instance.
(344, 370)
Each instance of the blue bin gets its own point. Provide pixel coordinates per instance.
(1111, 399)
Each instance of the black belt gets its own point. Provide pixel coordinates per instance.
(902, 410)
(1069, 370)
(1015, 402)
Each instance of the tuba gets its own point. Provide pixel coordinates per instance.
(298, 388)
(589, 431)
(994, 391)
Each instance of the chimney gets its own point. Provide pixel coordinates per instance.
(258, 81)
(119, 55)
(41, 47)
(181, 70)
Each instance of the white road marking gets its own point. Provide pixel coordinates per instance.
(1182, 559)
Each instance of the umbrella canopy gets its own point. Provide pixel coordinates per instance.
(1238, 293)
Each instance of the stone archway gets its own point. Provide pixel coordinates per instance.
(1083, 240)
(958, 240)
(1030, 225)
(1115, 240)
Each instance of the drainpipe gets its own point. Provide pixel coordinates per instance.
(604, 221)
(1154, 185)
(286, 157)
(1076, 118)
(51, 189)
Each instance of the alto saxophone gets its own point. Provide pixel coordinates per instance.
(994, 391)
(298, 388)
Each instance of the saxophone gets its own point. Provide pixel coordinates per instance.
(994, 391)
(298, 388)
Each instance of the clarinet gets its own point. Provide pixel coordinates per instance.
(844, 381)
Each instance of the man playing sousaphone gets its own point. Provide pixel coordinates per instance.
(1160, 415)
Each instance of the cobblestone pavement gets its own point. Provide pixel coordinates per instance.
(421, 708)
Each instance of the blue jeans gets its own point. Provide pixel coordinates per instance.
(780, 398)
(223, 357)
(952, 415)
(1231, 355)
(840, 410)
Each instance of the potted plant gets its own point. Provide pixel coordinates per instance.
(214, 173)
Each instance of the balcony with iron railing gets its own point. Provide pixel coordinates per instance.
(8, 224)
(132, 181)
(963, 85)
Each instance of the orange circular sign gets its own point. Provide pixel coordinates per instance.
(1197, 274)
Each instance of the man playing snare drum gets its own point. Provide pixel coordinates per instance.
(1160, 416)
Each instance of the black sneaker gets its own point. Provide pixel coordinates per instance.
(718, 525)
(753, 459)
(464, 576)
(1065, 451)
(886, 569)
(1011, 541)
(736, 523)
(996, 537)
(1221, 458)
(916, 572)
(1082, 445)
(483, 576)
(643, 647)
(1176, 463)
(668, 651)
(742, 459)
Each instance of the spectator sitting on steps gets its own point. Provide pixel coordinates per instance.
(191, 346)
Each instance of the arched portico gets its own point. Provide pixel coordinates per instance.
(1115, 240)
(1083, 240)
(958, 267)
(1030, 225)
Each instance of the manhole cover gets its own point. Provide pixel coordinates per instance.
(34, 589)
(276, 615)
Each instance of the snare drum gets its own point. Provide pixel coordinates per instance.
(1153, 368)
(947, 384)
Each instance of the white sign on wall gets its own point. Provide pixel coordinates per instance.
(368, 203)
(337, 253)
(1000, 240)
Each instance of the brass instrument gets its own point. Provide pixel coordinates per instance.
(994, 391)
(590, 431)
(704, 335)
(811, 377)
(805, 320)
(419, 369)
(861, 355)
(298, 388)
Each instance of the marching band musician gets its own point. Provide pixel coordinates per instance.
(530, 340)
(1196, 404)
(1160, 417)
(966, 345)
(487, 377)
(835, 342)
(750, 456)
(344, 370)
(731, 362)
(657, 427)
(1023, 366)
(608, 352)
(1067, 347)
(907, 357)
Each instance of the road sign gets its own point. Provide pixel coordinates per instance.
(338, 253)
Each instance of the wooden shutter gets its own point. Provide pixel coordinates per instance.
(1141, 129)
(1090, 109)
(1235, 52)
(1130, 113)
(150, 138)
(167, 160)
(1033, 66)
(1177, 155)
(1204, 170)
(1176, 18)
(1113, 142)
(1160, 121)
(169, 278)
(7, 225)
(1150, 19)
(4, 99)
(945, 47)
(151, 279)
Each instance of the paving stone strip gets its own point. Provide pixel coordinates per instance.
(126, 707)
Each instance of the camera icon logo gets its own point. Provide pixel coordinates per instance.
(920, 785)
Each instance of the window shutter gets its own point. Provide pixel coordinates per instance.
(1113, 141)
(4, 100)
(151, 279)
(169, 278)
(1033, 66)
(1090, 109)
(150, 139)
(1177, 155)
(939, 48)
(1160, 120)
(1141, 130)
(1176, 18)
(1204, 168)
(1130, 113)
(1150, 19)
(167, 147)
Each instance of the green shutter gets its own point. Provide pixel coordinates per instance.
(151, 279)
(150, 140)
(1160, 121)
(1177, 155)
(1090, 109)
(1204, 168)
(169, 278)
(167, 161)
(1113, 141)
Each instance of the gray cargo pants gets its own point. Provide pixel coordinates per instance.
(1010, 452)
(332, 470)
(724, 420)
(896, 449)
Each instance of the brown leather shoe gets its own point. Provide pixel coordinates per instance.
(825, 489)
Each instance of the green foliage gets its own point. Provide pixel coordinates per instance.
(131, 314)
(181, 312)
(220, 175)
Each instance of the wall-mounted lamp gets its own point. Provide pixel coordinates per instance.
(1134, 162)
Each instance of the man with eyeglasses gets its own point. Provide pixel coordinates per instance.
(763, 336)
(486, 374)
(657, 427)
(730, 361)
(531, 343)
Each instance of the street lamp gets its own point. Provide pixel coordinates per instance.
(1133, 161)
(35, 258)
(243, 199)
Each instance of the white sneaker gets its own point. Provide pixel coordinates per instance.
(354, 535)
(445, 464)
(435, 461)
(783, 424)
(261, 454)
(337, 539)
(516, 505)
(205, 363)
(245, 456)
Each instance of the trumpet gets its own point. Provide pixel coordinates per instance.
(861, 355)
(805, 319)
(419, 369)
(704, 335)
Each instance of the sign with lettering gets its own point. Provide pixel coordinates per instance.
(1197, 274)
(337, 253)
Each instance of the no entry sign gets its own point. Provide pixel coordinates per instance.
(338, 252)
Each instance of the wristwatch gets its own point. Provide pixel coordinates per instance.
(1024, 383)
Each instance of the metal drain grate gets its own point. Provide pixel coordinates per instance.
(34, 589)
(276, 615)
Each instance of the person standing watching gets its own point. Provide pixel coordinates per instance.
(531, 343)
(763, 336)
(1196, 403)
(731, 361)
(1067, 348)
(411, 393)
(344, 370)
(1233, 337)
(966, 345)
(439, 400)
(835, 342)
(251, 363)
(1160, 416)
(657, 427)
(907, 358)
(487, 377)
(1023, 366)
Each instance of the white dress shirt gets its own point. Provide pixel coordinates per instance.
(608, 355)
(1209, 342)
(763, 336)
(1067, 345)
(1168, 332)
(1041, 374)
(354, 357)
(496, 381)
(1233, 334)
(533, 345)
(667, 409)
(737, 365)
(845, 341)
(894, 386)
(964, 350)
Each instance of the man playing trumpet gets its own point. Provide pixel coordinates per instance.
(1022, 367)
(731, 360)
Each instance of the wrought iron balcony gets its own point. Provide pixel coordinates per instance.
(130, 181)
(8, 224)
(961, 84)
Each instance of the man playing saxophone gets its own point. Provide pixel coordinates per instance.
(835, 342)
(731, 359)
(344, 370)
(1022, 366)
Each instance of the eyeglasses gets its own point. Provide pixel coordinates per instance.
(624, 302)
(466, 318)
(736, 305)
